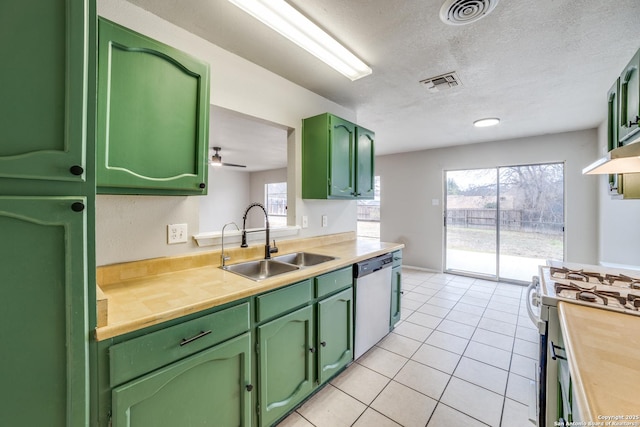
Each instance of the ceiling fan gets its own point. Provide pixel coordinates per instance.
(216, 159)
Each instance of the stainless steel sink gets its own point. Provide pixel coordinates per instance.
(304, 259)
(262, 269)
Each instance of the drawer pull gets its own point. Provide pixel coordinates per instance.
(553, 348)
(249, 387)
(186, 341)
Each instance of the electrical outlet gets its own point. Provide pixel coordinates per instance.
(305, 221)
(176, 233)
(325, 221)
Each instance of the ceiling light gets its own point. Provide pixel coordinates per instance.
(286, 20)
(483, 123)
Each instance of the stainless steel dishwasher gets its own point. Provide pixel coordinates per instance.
(373, 301)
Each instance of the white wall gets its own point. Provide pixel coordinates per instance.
(228, 196)
(138, 231)
(409, 182)
(619, 226)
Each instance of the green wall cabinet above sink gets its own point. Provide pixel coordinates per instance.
(337, 159)
(153, 115)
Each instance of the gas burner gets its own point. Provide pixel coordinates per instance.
(597, 296)
(581, 275)
(589, 296)
(570, 286)
(633, 282)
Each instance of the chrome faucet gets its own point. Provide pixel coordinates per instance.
(223, 257)
(268, 250)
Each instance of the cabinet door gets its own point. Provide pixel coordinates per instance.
(285, 369)
(629, 99)
(335, 334)
(341, 158)
(211, 388)
(612, 129)
(43, 312)
(153, 114)
(44, 93)
(365, 168)
(396, 295)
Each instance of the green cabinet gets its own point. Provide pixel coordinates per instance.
(210, 388)
(47, 261)
(335, 334)
(396, 289)
(612, 130)
(44, 311)
(285, 369)
(629, 100)
(337, 159)
(153, 115)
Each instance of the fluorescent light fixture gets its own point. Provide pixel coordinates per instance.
(282, 17)
(625, 159)
(483, 123)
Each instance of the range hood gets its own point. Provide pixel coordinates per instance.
(625, 159)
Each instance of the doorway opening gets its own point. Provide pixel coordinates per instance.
(501, 223)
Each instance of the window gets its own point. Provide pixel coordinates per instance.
(369, 215)
(276, 203)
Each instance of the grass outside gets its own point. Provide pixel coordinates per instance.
(516, 243)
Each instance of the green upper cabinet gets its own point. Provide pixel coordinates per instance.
(44, 311)
(337, 159)
(629, 100)
(612, 129)
(153, 114)
(45, 81)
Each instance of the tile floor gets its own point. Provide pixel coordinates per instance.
(462, 355)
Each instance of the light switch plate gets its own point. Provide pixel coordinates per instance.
(305, 221)
(176, 233)
(325, 221)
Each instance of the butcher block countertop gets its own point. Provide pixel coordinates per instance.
(603, 350)
(144, 293)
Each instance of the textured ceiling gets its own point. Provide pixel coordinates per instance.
(542, 66)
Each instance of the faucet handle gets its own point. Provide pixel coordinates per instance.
(274, 248)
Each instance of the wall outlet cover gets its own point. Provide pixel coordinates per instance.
(305, 221)
(176, 233)
(325, 221)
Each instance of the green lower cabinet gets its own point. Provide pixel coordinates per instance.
(285, 368)
(396, 295)
(44, 321)
(210, 388)
(335, 334)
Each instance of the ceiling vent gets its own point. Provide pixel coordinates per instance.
(441, 82)
(462, 12)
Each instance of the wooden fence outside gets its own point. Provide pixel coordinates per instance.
(511, 219)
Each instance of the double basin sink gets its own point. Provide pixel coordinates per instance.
(266, 268)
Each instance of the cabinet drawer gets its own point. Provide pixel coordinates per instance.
(397, 258)
(281, 300)
(331, 282)
(138, 356)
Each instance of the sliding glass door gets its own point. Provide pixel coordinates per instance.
(502, 223)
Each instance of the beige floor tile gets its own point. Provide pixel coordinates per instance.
(438, 358)
(525, 321)
(405, 406)
(513, 291)
(413, 331)
(424, 320)
(493, 339)
(518, 388)
(457, 329)
(416, 296)
(498, 326)
(445, 416)
(294, 420)
(478, 373)
(405, 313)
(474, 401)
(468, 308)
(448, 295)
(399, 344)
(441, 302)
(500, 306)
(515, 414)
(526, 348)
(434, 286)
(462, 317)
(523, 366)
(360, 382)
(463, 279)
(372, 418)
(382, 361)
(331, 407)
(527, 334)
(434, 310)
(488, 354)
(424, 290)
(447, 342)
(456, 288)
(471, 300)
(411, 304)
(480, 293)
(501, 316)
(505, 299)
(422, 378)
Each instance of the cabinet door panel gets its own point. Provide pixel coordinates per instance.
(629, 99)
(207, 389)
(286, 363)
(365, 164)
(335, 334)
(42, 114)
(342, 162)
(43, 312)
(152, 114)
